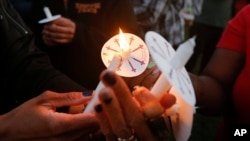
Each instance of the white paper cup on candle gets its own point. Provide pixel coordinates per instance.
(175, 77)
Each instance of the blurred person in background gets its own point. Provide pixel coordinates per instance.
(166, 17)
(74, 41)
(208, 27)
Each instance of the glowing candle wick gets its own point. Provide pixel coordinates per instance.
(124, 47)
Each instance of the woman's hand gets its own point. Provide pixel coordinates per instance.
(37, 119)
(123, 116)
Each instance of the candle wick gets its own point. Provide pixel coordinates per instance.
(125, 53)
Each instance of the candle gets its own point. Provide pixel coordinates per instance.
(174, 75)
(171, 63)
(49, 16)
(132, 49)
(160, 87)
(47, 12)
(112, 66)
(183, 53)
(130, 62)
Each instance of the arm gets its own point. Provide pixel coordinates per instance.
(26, 70)
(214, 87)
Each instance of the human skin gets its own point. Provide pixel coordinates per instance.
(37, 119)
(130, 109)
(214, 85)
(59, 31)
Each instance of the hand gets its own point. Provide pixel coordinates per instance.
(121, 116)
(37, 119)
(146, 79)
(60, 31)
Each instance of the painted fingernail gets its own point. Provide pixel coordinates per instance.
(107, 100)
(106, 96)
(98, 108)
(109, 78)
(87, 93)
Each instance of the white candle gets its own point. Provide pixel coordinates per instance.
(116, 61)
(49, 16)
(161, 86)
(47, 12)
(121, 53)
(183, 53)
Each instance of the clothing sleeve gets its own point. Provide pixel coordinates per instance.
(234, 36)
(28, 72)
(25, 70)
(116, 14)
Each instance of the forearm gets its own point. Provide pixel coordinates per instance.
(210, 96)
(3, 128)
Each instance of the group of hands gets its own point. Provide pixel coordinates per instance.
(120, 114)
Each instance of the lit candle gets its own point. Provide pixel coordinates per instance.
(116, 61)
(122, 56)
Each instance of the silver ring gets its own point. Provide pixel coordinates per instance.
(131, 138)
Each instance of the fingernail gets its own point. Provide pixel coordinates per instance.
(109, 78)
(107, 100)
(87, 93)
(106, 96)
(98, 108)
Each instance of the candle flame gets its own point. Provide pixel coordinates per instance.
(122, 41)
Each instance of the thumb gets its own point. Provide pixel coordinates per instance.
(63, 99)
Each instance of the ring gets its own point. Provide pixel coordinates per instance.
(131, 138)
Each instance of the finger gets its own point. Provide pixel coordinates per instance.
(59, 36)
(104, 123)
(63, 123)
(153, 110)
(132, 112)
(146, 79)
(62, 99)
(143, 95)
(150, 105)
(168, 100)
(54, 30)
(64, 22)
(114, 113)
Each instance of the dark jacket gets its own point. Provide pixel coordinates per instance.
(25, 70)
(96, 22)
